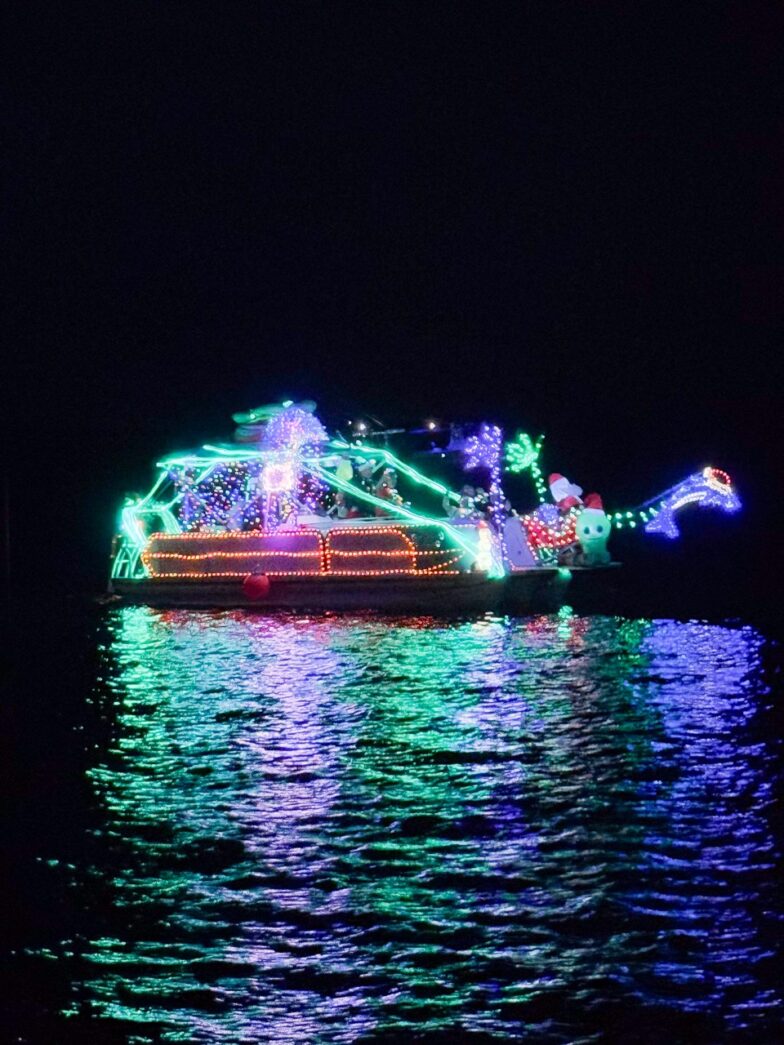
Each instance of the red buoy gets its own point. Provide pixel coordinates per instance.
(256, 586)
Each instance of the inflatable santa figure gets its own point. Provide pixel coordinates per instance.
(565, 494)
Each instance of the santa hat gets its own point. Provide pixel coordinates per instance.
(593, 508)
(593, 501)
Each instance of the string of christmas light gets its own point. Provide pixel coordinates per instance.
(294, 430)
(483, 450)
(406, 513)
(282, 564)
(392, 461)
(522, 454)
(243, 494)
(326, 557)
(544, 535)
(376, 533)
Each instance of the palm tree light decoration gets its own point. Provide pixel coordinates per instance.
(522, 455)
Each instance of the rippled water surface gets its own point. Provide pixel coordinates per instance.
(342, 829)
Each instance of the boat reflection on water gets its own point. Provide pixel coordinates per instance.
(332, 828)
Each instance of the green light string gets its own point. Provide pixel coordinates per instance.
(218, 454)
(643, 513)
(522, 454)
(230, 454)
(362, 495)
(636, 517)
(539, 483)
(130, 514)
(132, 531)
(155, 487)
(398, 465)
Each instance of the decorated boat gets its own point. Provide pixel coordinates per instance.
(289, 515)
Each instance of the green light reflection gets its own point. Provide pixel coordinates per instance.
(339, 826)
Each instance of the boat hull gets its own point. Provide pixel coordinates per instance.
(536, 590)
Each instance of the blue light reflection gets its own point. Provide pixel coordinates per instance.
(332, 828)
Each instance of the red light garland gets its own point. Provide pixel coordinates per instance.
(541, 536)
(330, 559)
(718, 475)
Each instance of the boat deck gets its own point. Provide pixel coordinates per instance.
(535, 590)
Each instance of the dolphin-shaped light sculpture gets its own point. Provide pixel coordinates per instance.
(710, 488)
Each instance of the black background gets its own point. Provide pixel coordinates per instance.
(565, 216)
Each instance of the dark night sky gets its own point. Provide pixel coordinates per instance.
(561, 215)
